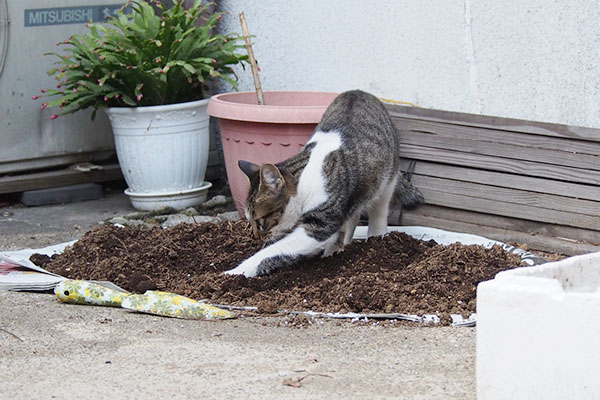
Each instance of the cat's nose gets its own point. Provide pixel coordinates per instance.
(255, 232)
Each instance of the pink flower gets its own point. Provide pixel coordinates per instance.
(44, 105)
(105, 98)
(219, 17)
(139, 97)
(158, 59)
(214, 61)
(35, 97)
(117, 96)
(75, 90)
(53, 116)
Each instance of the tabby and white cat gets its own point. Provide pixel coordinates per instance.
(310, 204)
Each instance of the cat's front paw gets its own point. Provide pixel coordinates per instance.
(245, 268)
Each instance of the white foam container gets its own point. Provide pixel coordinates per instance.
(538, 332)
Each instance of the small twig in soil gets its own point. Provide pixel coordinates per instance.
(97, 256)
(122, 243)
(11, 334)
(297, 382)
(171, 242)
(434, 255)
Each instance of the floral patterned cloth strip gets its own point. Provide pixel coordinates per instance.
(173, 305)
(151, 302)
(85, 292)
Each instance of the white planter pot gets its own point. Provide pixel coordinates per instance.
(163, 153)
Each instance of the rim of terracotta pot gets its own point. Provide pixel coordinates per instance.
(159, 108)
(282, 107)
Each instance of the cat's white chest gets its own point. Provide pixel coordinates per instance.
(312, 185)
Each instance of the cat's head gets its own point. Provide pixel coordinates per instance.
(269, 193)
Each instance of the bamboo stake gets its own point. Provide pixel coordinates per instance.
(253, 65)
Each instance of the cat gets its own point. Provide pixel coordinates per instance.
(310, 204)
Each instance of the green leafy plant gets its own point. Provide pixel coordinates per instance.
(143, 58)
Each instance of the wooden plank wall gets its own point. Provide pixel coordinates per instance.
(510, 180)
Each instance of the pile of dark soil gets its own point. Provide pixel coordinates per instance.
(393, 274)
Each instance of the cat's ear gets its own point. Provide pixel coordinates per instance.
(248, 168)
(271, 178)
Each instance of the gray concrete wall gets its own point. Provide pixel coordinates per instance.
(534, 60)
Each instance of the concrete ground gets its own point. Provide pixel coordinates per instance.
(51, 350)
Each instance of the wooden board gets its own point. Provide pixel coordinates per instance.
(533, 184)
(491, 135)
(534, 228)
(544, 206)
(55, 178)
(502, 150)
(533, 242)
(518, 167)
(498, 123)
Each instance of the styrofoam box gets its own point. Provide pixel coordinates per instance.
(538, 332)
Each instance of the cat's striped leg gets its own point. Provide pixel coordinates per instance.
(288, 250)
(344, 236)
(350, 226)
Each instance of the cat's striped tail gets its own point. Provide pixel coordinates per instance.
(406, 196)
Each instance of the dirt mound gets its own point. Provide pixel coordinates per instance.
(396, 273)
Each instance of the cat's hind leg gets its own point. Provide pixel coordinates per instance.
(378, 210)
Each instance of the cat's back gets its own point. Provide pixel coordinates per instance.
(357, 112)
(357, 129)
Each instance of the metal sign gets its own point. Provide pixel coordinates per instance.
(70, 15)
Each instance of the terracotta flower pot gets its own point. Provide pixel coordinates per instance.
(264, 133)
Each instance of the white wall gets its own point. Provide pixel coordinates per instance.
(534, 60)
